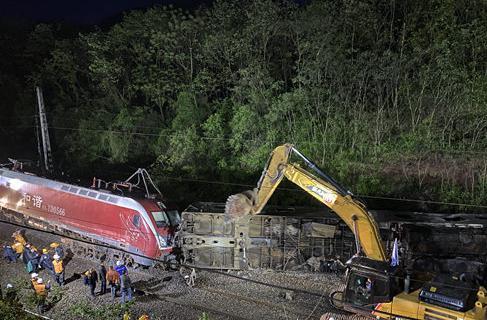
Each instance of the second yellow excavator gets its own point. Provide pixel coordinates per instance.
(375, 286)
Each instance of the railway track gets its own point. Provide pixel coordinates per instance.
(197, 306)
(308, 302)
(234, 296)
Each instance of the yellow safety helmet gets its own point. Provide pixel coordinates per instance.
(54, 245)
(45, 250)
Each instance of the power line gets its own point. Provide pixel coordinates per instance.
(217, 182)
(254, 140)
(247, 185)
(314, 143)
(298, 190)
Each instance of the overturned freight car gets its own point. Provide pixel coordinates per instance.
(285, 237)
(280, 238)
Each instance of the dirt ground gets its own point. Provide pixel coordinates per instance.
(166, 295)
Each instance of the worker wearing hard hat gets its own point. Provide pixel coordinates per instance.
(10, 294)
(58, 269)
(33, 278)
(41, 289)
(58, 249)
(45, 262)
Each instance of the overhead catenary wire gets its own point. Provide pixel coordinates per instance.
(359, 195)
(297, 190)
(246, 185)
(204, 137)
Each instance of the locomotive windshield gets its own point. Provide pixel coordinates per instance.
(160, 218)
(174, 217)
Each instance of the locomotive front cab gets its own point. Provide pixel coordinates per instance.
(166, 217)
(166, 221)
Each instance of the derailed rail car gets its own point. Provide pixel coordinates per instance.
(280, 238)
(143, 229)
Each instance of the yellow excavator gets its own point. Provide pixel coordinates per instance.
(375, 287)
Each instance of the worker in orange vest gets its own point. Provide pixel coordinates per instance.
(18, 248)
(41, 291)
(17, 235)
(58, 269)
(145, 316)
(33, 279)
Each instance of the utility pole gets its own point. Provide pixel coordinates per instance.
(46, 143)
(38, 139)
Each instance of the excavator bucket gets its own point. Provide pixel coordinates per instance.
(241, 204)
(253, 201)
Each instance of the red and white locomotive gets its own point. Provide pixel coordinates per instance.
(142, 228)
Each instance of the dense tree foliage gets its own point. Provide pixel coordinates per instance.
(388, 96)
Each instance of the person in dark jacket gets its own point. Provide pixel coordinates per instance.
(92, 279)
(26, 254)
(9, 254)
(27, 257)
(125, 286)
(45, 262)
(35, 258)
(59, 251)
(102, 275)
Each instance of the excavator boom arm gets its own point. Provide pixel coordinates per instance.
(351, 211)
(326, 190)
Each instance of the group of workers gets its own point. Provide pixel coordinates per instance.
(51, 260)
(47, 259)
(116, 277)
(35, 260)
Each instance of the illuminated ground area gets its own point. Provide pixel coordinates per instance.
(166, 296)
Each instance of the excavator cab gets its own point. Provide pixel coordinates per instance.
(369, 282)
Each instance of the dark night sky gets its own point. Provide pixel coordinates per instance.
(80, 12)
